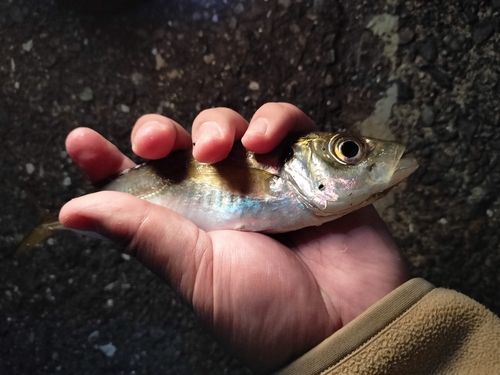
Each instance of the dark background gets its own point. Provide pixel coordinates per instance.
(61, 68)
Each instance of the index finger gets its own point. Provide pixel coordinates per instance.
(97, 157)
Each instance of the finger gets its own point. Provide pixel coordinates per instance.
(96, 156)
(214, 132)
(175, 251)
(155, 136)
(271, 123)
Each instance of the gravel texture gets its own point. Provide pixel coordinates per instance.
(77, 305)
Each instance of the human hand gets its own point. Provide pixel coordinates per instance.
(267, 299)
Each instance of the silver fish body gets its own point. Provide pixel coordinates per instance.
(306, 181)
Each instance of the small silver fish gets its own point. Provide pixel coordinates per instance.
(306, 181)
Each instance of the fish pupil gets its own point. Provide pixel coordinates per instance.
(321, 187)
(349, 149)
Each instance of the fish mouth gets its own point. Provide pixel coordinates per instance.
(404, 167)
(389, 173)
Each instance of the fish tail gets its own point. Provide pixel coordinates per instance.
(38, 236)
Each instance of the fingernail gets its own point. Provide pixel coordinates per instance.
(207, 130)
(258, 126)
(81, 224)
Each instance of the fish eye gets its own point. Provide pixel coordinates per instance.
(347, 149)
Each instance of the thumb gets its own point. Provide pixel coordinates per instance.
(167, 243)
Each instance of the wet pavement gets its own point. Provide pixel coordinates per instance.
(424, 72)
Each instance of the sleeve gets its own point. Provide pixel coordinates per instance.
(416, 329)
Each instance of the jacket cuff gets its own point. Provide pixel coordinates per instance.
(360, 330)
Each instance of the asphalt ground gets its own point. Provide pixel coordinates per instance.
(423, 72)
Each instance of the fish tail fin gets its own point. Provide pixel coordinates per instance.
(38, 235)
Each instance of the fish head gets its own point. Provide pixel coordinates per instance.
(334, 174)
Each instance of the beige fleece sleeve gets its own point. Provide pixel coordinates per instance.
(416, 329)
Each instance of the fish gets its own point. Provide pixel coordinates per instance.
(307, 180)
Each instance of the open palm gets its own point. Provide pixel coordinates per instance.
(268, 299)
